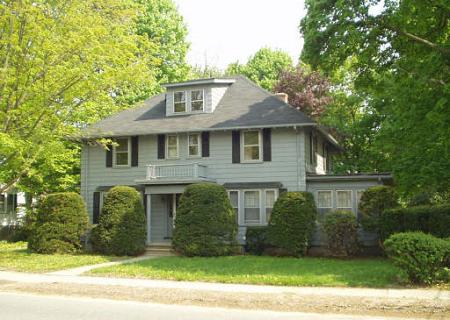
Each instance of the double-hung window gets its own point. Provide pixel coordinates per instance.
(194, 145)
(252, 207)
(2, 203)
(197, 102)
(251, 145)
(324, 199)
(122, 152)
(172, 146)
(234, 199)
(179, 101)
(344, 199)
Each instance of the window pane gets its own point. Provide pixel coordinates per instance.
(251, 137)
(270, 198)
(193, 151)
(179, 96)
(197, 95)
(197, 105)
(172, 140)
(251, 153)
(193, 139)
(324, 199)
(122, 145)
(180, 106)
(251, 215)
(344, 199)
(234, 199)
(251, 204)
(122, 158)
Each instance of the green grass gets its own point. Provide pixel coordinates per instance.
(15, 257)
(377, 273)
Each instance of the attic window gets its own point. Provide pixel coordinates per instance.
(197, 100)
(179, 101)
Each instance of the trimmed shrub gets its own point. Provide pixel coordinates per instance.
(292, 222)
(434, 220)
(341, 228)
(422, 256)
(256, 240)
(61, 219)
(121, 229)
(205, 224)
(373, 202)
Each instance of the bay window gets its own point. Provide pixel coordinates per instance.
(252, 207)
(344, 199)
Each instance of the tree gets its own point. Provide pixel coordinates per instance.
(207, 71)
(402, 60)
(264, 67)
(308, 91)
(63, 64)
(164, 26)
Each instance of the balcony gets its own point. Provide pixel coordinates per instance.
(176, 173)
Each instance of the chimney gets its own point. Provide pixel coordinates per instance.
(282, 96)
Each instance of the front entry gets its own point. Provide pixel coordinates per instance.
(163, 212)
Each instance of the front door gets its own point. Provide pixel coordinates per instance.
(172, 205)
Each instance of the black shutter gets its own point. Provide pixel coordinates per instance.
(161, 146)
(144, 199)
(109, 157)
(96, 208)
(267, 144)
(134, 151)
(236, 146)
(205, 144)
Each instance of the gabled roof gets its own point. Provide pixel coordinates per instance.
(244, 105)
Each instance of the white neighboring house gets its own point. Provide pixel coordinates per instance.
(12, 207)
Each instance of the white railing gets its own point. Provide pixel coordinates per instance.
(176, 171)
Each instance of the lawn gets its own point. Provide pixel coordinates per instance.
(15, 257)
(378, 273)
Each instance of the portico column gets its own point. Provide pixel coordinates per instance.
(149, 217)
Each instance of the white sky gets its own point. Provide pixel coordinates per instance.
(223, 31)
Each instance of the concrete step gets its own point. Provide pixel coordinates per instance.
(159, 250)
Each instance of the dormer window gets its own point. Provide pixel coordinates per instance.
(197, 100)
(179, 101)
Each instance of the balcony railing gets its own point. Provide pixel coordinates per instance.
(176, 171)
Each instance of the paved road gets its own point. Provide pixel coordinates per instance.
(18, 306)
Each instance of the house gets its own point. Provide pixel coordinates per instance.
(226, 131)
(12, 205)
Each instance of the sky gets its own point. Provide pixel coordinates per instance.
(224, 31)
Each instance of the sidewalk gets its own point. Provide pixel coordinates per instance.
(71, 278)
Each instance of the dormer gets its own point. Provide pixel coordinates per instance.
(195, 96)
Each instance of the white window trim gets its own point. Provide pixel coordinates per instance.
(259, 160)
(167, 146)
(199, 145)
(185, 102)
(115, 165)
(317, 199)
(253, 223)
(351, 200)
(203, 100)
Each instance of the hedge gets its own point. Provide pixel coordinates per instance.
(61, 220)
(341, 229)
(292, 222)
(205, 223)
(372, 204)
(256, 240)
(121, 229)
(423, 257)
(434, 220)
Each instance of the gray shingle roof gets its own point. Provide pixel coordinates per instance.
(244, 105)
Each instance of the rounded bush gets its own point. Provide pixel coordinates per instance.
(341, 228)
(205, 223)
(292, 222)
(60, 221)
(423, 257)
(373, 202)
(121, 229)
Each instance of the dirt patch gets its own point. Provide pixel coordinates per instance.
(437, 309)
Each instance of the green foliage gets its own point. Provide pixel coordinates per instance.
(121, 229)
(433, 220)
(256, 240)
(161, 22)
(399, 57)
(341, 228)
(205, 224)
(292, 222)
(61, 220)
(423, 257)
(373, 202)
(264, 67)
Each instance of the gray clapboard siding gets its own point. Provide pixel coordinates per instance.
(287, 165)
